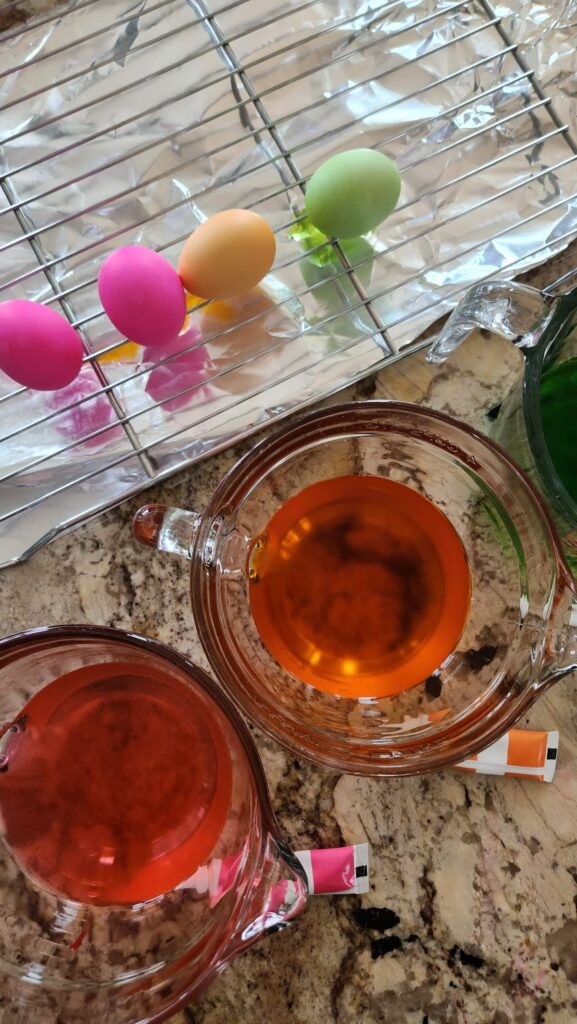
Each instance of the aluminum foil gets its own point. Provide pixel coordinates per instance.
(546, 34)
(131, 122)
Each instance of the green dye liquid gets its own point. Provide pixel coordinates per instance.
(559, 419)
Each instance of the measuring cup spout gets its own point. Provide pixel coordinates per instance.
(279, 895)
(561, 649)
(515, 311)
(166, 529)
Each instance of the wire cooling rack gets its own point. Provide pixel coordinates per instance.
(128, 122)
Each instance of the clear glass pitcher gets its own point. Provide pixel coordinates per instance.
(167, 934)
(537, 422)
(517, 638)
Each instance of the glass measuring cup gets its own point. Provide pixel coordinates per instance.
(137, 959)
(517, 638)
(535, 422)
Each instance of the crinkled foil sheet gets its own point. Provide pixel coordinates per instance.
(546, 34)
(126, 122)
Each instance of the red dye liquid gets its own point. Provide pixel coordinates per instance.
(115, 784)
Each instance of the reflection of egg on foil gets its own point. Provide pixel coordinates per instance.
(227, 254)
(128, 352)
(250, 325)
(185, 372)
(77, 423)
(38, 347)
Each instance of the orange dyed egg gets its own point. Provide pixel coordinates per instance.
(228, 254)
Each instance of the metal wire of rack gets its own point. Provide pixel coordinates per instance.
(102, 146)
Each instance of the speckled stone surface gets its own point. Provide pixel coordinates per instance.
(474, 879)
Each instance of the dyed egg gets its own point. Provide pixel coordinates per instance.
(352, 192)
(142, 295)
(38, 347)
(228, 254)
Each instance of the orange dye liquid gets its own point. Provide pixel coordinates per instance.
(359, 586)
(114, 786)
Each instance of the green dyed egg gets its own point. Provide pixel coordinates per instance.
(352, 192)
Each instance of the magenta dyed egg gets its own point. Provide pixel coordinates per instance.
(38, 347)
(142, 295)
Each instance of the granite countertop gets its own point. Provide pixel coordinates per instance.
(474, 879)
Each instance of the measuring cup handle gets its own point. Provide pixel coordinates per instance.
(166, 529)
(515, 311)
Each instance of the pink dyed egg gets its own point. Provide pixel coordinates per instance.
(38, 347)
(142, 295)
